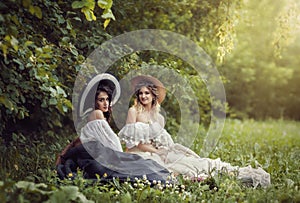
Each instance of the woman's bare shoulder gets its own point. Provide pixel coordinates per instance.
(132, 115)
(96, 114)
(132, 110)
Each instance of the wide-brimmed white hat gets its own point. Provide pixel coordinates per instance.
(87, 99)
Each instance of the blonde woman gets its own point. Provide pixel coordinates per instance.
(144, 134)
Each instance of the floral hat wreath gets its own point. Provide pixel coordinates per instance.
(87, 100)
(142, 80)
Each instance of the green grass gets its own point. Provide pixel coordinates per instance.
(273, 145)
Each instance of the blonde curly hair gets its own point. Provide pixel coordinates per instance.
(153, 89)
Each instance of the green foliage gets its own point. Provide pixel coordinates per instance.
(260, 84)
(43, 44)
(209, 23)
(87, 7)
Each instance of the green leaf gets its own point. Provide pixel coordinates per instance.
(53, 101)
(26, 3)
(106, 22)
(38, 12)
(89, 14)
(14, 43)
(44, 104)
(31, 9)
(109, 4)
(28, 43)
(21, 66)
(102, 4)
(14, 18)
(6, 102)
(108, 14)
(21, 115)
(65, 108)
(65, 194)
(65, 39)
(126, 198)
(24, 184)
(45, 56)
(77, 18)
(60, 19)
(30, 186)
(90, 4)
(61, 91)
(4, 49)
(69, 25)
(78, 4)
(74, 51)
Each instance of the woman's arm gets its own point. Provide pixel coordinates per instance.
(147, 148)
(131, 115)
(132, 118)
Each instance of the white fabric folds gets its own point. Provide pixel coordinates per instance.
(103, 145)
(134, 133)
(180, 159)
(100, 131)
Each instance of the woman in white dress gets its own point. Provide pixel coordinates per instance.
(144, 134)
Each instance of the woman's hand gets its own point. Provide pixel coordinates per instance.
(147, 148)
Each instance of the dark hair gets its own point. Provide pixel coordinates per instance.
(108, 91)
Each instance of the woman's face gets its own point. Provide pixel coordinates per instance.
(102, 101)
(145, 96)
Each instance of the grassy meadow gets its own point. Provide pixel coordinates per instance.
(273, 144)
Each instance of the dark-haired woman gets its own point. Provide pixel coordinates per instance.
(102, 110)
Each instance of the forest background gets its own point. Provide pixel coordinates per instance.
(255, 46)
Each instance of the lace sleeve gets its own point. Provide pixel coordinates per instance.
(134, 133)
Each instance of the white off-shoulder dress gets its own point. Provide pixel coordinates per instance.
(180, 159)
